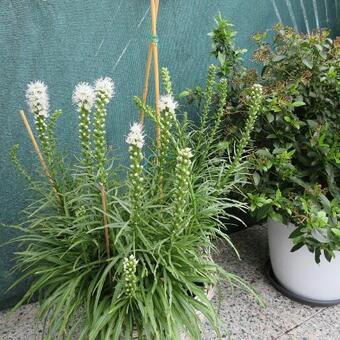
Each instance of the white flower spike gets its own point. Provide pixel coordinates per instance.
(168, 102)
(37, 98)
(105, 87)
(83, 96)
(136, 136)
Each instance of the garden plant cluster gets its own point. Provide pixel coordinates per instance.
(116, 251)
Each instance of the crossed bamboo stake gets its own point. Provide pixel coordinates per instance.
(153, 54)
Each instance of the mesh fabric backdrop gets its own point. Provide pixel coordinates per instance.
(63, 42)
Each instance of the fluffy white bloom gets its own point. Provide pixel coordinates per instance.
(168, 102)
(83, 96)
(129, 262)
(136, 136)
(105, 86)
(37, 98)
(185, 153)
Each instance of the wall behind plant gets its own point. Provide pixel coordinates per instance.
(63, 42)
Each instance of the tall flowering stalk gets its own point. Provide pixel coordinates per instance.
(223, 90)
(104, 91)
(166, 79)
(135, 139)
(84, 97)
(183, 167)
(210, 139)
(167, 106)
(130, 279)
(208, 97)
(254, 102)
(38, 102)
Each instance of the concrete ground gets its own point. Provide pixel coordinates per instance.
(243, 318)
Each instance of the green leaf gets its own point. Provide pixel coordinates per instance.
(296, 233)
(270, 117)
(184, 93)
(308, 61)
(317, 255)
(312, 123)
(296, 247)
(256, 178)
(336, 231)
(278, 58)
(328, 255)
(298, 103)
(276, 217)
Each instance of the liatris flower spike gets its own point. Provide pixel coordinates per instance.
(84, 97)
(136, 141)
(255, 97)
(166, 80)
(136, 136)
(129, 268)
(104, 90)
(167, 102)
(167, 106)
(37, 98)
(182, 181)
(38, 102)
(254, 102)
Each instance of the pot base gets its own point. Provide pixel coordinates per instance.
(286, 292)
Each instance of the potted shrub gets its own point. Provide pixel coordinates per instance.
(114, 255)
(296, 161)
(296, 151)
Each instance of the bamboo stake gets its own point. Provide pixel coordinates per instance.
(156, 68)
(153, 54)
(147, 71)
(40, 156)
(106, 229)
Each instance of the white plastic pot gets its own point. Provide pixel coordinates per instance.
(298, 272)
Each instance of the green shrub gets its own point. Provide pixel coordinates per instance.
(296, 143)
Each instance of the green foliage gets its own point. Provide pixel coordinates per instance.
(160, 236)
(296, 143)
(297, 139)
(229, 57)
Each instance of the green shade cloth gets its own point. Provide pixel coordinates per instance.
(63, 42)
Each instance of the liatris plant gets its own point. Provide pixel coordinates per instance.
(135, 263)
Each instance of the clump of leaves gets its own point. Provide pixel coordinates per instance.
(223, 47)
(127, 253)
